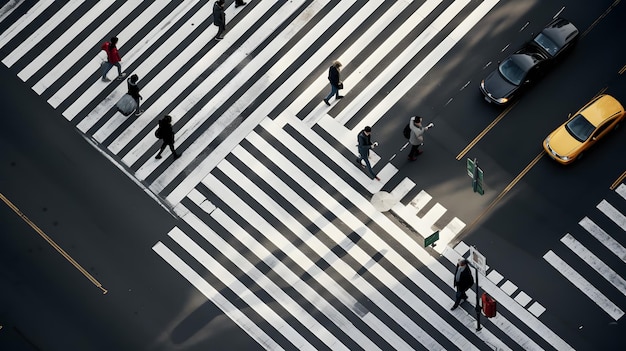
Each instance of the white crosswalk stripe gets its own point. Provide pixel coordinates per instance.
(595, 260)
(328, 270)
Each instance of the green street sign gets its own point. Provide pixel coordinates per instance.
(477, 176)
(430, 240)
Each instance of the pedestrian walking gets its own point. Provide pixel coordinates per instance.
(364, 146)
(133, 90)
(166, 133)
(113, 59)
(239, 3)
(416, 137)
(219, 19)
(463, 280)
(334, 76)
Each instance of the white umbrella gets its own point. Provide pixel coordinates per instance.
(383, 201)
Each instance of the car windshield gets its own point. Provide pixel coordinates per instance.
(547, 44)
(511, 71)
(580, 128)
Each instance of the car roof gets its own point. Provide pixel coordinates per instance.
(525, 60)
(561, 31)
(600, 108)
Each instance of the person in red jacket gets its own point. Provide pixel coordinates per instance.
(113, 59)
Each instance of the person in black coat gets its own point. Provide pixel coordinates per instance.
(364, 146)
(463, 280)
(219, 19)
(133, 90)
(334, 76)
(166, 133)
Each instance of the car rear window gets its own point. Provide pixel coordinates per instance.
(547, 44)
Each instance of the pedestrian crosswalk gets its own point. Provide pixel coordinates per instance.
(608, 299)
(276, 225)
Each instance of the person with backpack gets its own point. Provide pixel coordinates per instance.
(133, 90)
(165, 132)
(416, 136)
(113, 59)
(364, 146)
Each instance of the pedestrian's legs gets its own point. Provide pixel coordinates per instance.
(457, 298)
(220, 32)
(333, 91)
(414, 152)
(119, 68)
(368, 165)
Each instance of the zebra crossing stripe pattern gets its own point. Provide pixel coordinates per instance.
(586, 255)
(337, 274)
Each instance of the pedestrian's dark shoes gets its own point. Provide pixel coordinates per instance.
(326, 102)
(339, 97)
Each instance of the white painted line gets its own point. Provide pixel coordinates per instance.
(522, 298)
(420, 200)
(156, 57)
(130, 55)
(506, 302)
(216, 297)
(196, 197)
(621, 190)
(611, 212)
(8, 8)
(355, 49)
(495, 277)
(339, 132)
(383, 221)
(404, 57)
(25, 20)
(65, 63)
(51, 51)
(189, 77)
(248, 296)
(425, 65)
(433, 215)
(400, 191)
(349, 167)
(508, 287)
(266, 106)
(233, 85)
(596, 263)
(536, 308)
(583, 285)
(340, 238)
(462, 248)
(274, 236)
(604, 238)
(449, 232)
(41, 32)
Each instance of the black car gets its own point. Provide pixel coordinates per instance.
(529, 63)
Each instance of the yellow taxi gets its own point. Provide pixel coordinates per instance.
(592, 122)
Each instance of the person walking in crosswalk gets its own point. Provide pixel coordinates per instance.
(463, 280)
(113, 59)
(416, 137)
(219, 19)
(364, 146)
(165, 132)
(133, 90)
(334, 76)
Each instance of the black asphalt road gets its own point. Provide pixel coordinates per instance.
(107, 224)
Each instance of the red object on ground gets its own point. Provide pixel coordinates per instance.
(489, 305)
